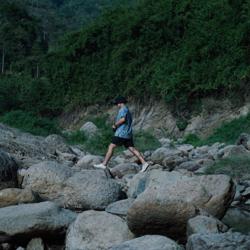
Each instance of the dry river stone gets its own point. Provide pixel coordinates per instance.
(84, 190)
(226, 241)
(203, 224)
(169, 199)
(148, 242)
(93, 230)
(35, 244)
(14, 196)
(8, 171)
(33, 219)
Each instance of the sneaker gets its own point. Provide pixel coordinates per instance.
(144, 167)
(101, 165)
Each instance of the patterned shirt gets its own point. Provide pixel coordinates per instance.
(125, 129)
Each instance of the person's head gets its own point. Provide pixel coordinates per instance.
(120, 101)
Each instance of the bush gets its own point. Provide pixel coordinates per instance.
(76, 137)
(144, 140)
(227, 133)
(192, 139)
(29, 122)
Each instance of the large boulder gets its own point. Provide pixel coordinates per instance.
(160, 154)
(33, 219)
(28, 148)
(238, 219)
(89, 129)
(57, 142)
(95, 230)
(125, 168)
(226, 241)
(88, 161)
(14, 196)
(84, 190)
(148, 242)
(234, 151)
(8, 171)
(169, 199)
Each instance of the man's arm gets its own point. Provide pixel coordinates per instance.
(119, 122)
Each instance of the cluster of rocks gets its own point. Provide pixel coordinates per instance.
(51, 197)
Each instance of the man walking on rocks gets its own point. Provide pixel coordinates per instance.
(123, 135)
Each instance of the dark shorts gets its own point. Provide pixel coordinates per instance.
(118, 141)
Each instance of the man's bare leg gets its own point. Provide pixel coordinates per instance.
(145, 165)
(135, 152)
(109, 154)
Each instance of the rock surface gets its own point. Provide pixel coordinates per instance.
(148, 242)
(14, 196)
(125, 168)
(35, 244)
(120, 207)
(84, 190)
(168, 199)
(89, 129)
(88, 161)
(94, 230)
(33, 219)
(203, 225)
(226, 241)
(8, 171)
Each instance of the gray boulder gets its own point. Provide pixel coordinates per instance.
(89, 129)
(33, 219)
(226, 241)
(167, 200)
(35, 244)
(189, 165)
(148, 242)
(161, 153)
(234, 151)
(124, 169)
(14, 196)
(8, 171)
(88, 161)
(203, 225)
(57, 142)
(94, 230)
(238, 219)
(84, 190)
(27, 148)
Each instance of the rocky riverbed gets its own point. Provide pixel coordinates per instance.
(51, 197)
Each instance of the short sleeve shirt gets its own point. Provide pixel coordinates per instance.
(125, 129)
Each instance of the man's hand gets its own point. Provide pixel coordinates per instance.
(114, 127)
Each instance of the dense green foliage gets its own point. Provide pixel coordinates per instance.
(178, 51)
(21, 41)
(228, 133)
(30, 122)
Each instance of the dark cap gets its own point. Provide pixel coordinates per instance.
(120, 99)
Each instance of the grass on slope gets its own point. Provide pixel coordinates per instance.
(228, 133)
(236, 167)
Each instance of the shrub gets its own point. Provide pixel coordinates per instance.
(29, 122)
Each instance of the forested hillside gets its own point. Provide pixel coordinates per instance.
(178, 51)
